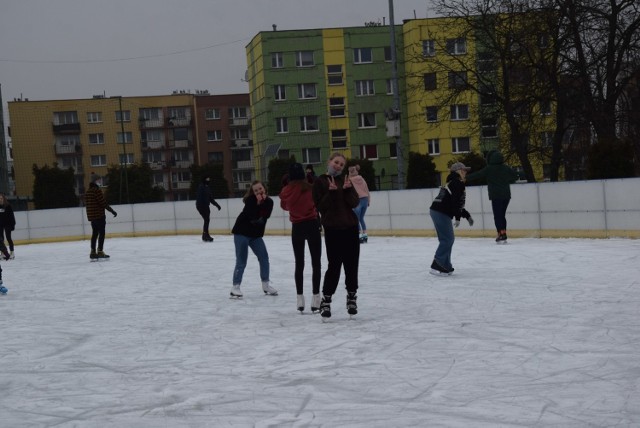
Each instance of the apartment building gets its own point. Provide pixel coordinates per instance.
(90, 135)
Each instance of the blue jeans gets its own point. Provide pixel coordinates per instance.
(243, 243)
(444, 230)
(360, 211)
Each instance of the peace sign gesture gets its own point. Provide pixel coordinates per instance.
(332, 183)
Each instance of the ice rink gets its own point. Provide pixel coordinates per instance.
(535, 333)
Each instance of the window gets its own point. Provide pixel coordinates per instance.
(430, 83)
(279, 93)
(432, 113)
(177, 113)
(180, 176)
(152, 157)
(94, 117)
(311, 156)
(304, 59)
(393, 150)
(457, 46)
(307, 91)
(98, 160)
(457, 79)
(123, 116)
(126, 159)
(366, 120)
(486, 62)
(216, 157)
(65, 117)
(96, 138)
(364, 88)
(151, 135)
(334, 74)
(389, 87)
(433, 146)
(459, 112)
(339, 138)
(460, 145)
(240, 134)
(215, 135)
(309, 123)
(428, 48)
(336, 107)
(369, 151)
(387, 54)
(128, 137)
(545, 108)
(489, 128)
(238, 112)
(149, 113)
(362, 56)
(282, 127)
(277, 60)
(212, 114)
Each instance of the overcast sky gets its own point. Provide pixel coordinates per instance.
(67, 49)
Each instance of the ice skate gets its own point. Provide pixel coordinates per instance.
(93, 256)
(207, 238)
(11, 255)
(102, 255)
(235, 293)
(502, 237)
(269, 290)
(300, 302)
(325, 308)
(438, 270)
(352, 306)
(315, 303)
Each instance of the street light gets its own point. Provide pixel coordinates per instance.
(395, 115)
(123, 167)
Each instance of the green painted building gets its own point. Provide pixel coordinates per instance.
(317, 91)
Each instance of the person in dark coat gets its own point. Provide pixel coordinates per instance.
(96, 204)
(499, 177)
(7, 222)
(449, 204)
(204, 197)
(248, 231)
(335, 198)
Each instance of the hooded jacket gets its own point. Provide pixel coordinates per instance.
(253, 219)
(498, 176)
(452, 197)
(204, 196)
(335, 206)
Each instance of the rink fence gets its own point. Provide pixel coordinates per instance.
(582, 209)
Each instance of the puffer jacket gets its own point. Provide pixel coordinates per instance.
(452, 197)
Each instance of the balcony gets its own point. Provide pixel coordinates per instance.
(179, 121)
(160, 165)
(180, 144)
(248, 164)
(241, 143)
(182, 185)
(239, 121)
(151, 123)
(67, 128)
(152, 145)
(68, 149)
(183, 164)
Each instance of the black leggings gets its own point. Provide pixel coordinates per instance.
(343, 249)
(98, 227)
(6, 230)
(205, 212)
(307, 231)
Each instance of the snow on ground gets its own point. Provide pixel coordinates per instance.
(539, 332)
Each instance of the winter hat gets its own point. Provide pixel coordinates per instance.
(296, 172)
(458, 166)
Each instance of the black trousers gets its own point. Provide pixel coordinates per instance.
(343, 250)
(499, 207)
(301, 233)
(205, 212)
(6, 230)
(98, 229)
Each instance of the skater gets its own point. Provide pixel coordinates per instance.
(310, 173)
(96, 204)
(248, 232)
(499, 177)
(7, 222)
(447, 205)
(297, 198)
(361, 187)
(204, 197)
(335, 199)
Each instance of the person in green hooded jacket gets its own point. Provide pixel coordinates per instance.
(499, 177)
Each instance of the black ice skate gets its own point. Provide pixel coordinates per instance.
(438, 270)
(325, 308)
(352, 306)
(502, 237)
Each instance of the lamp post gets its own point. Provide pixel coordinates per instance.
(395, 113)
(123, 167)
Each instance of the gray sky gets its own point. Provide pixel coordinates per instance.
(67, 49)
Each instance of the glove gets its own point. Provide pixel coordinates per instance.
(465, 214)
(218, 207)
(470, 220)
(456, 222)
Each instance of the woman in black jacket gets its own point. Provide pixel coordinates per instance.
(7, 222)
(447, 205)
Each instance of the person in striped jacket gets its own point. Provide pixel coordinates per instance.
(96, 205)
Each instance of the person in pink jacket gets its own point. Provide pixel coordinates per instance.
(361, 187)
(297, 198)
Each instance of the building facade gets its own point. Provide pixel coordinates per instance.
(169, 133)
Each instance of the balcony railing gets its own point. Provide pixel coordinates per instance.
(68, 149)
(183, 164)
(241, 143)
(182, 185)
(239, 121)
(248, 164)
(151, 123)
(179, 121)
(180, 144)
(157, 165)
(152, 145)
(67, 128)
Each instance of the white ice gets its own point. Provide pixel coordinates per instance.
(536, 333)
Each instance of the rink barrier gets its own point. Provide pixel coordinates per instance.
(575, 209)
